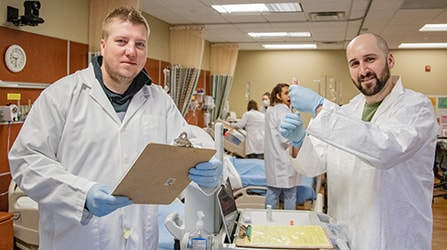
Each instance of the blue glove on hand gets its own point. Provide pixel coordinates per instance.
(304, 99)
(292, 128)
(207, 174)
(100, 202)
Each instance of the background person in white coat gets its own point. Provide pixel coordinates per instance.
(378, 152)
(282, 178)
(82, 135)
(253, 122)
(266, 101)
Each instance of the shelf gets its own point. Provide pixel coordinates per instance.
(23, 85)
(12, 123)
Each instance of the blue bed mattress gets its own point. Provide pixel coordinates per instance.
(252, 173)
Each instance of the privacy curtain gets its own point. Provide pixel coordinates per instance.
(186, 52)
(222, 63)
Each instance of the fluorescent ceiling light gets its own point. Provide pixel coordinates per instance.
(284, 7)
(237, 8)
(434, 27)
(267, 34)
(299, 34)
(279, 34)
(257, 7)
(290, 46)
(422, 45)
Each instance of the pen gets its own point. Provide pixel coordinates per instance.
(249, 232)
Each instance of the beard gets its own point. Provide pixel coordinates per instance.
(380, 82)
(116, 75)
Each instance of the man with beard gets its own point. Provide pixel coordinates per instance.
(377, 150)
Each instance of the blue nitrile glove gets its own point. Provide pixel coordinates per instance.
(100, 202)
(304, 99)
(292, 128)
(207, 174)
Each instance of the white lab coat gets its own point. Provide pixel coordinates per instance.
(263, 109)
(72, 139)
(379, 173)
(278, 169)
(253, 122)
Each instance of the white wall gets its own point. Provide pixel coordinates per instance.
(64, 19)
(410, 64)
(266, 68)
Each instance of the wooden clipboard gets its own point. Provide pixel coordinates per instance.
(160, 173)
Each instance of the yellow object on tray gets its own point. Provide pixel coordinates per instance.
(301, 237)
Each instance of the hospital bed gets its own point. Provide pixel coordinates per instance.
(26, 218)
(234, 139)
(440, 168)
(247, 178)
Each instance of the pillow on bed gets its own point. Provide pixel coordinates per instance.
(229, 171)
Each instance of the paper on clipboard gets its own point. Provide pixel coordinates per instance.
(160, 173)
(287, 237)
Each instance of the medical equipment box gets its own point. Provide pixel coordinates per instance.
(9, 113)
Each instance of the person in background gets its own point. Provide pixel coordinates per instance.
(253, 122)
(82, 135)
(266, 101)
(378, 152)
(282, 178)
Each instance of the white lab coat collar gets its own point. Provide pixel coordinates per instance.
(137, 101)
(397, 90)
(97, 93)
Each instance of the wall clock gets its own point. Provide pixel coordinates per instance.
(15, 58)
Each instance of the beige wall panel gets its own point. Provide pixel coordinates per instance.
(410, 64)
(64, 19)
(158, 43)
(263, 69)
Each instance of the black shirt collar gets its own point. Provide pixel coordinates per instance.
(118, 100)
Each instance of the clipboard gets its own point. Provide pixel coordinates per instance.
(160, 173)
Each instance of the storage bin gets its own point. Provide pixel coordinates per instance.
(6, 231)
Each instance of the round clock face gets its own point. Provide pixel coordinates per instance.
(15, 58)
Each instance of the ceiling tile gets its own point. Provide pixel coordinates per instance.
(393, 19)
